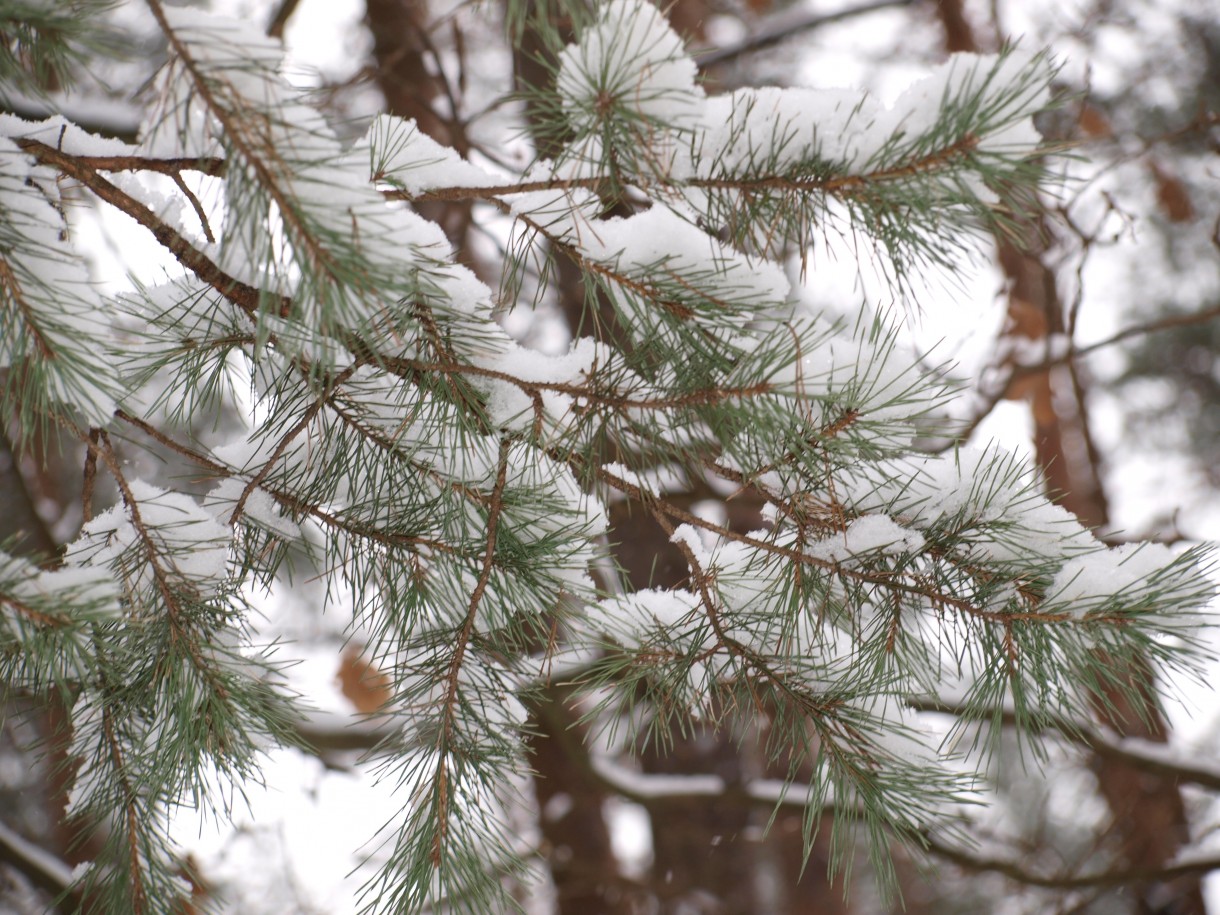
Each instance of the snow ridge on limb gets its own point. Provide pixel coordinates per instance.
(53, 317)
(769, 166)
(304, 223)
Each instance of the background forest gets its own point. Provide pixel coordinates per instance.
(1083, 334)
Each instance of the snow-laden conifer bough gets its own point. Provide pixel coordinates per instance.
(453, 483)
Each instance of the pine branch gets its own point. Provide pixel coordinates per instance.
(1145, 755)
(250, 145)
(131, 816)
(907, 587)
(449, 703)
(244, 296)
(1169, 322)
(656, 791)
(590, 393)
(454, 481)
(307, 417)
(938, 160)
(214, 166)
(294, 505)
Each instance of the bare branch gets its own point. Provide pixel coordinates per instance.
(1015, 870)
(1136, 330)
(44, 869)
(1146, 755)
(786, 26)
(240, 294)
(654, 791)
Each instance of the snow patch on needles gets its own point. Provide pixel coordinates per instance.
(54, 326)
(173, 532)
(403, 155)
(1090, 582)
(869, 534)
(629, 63)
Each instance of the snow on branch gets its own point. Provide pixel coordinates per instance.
(53, 318)
(448, 482)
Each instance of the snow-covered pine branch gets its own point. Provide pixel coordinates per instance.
(451, 484)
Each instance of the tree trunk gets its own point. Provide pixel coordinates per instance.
(1146, 810)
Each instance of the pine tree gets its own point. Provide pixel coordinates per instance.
(453, 485)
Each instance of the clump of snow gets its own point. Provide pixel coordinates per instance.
(183, 540)
(660, 236)
(656, 480)
(259, 507)
(660, 254)
(72, 587)
(91, 779)
(869, 534)
(989, 497)
(689, 537)
(662, 608)
(402, 154)
(770, 130)
(1086, 582)
(639, 618)
(233, 58)
(51, 313)
(630, 59)
(574, 367)
(64, 136)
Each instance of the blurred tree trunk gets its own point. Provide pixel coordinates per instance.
(402, 47)
(34, 738)
(1147, 813)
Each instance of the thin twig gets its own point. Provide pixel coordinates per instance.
(42, 868)
(196, 206)
(783, 27)
(453, 676)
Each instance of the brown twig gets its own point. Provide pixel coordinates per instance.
(784, 27)
(196, 206)
(452, 679)
(242, 295)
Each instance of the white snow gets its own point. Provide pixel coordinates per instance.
(189, 544)
(1085, 582)
(402, 154)
(60, 133)
(629, 58)
(865, 535)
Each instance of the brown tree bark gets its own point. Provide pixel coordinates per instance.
(36, 729)
(1147, 813)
